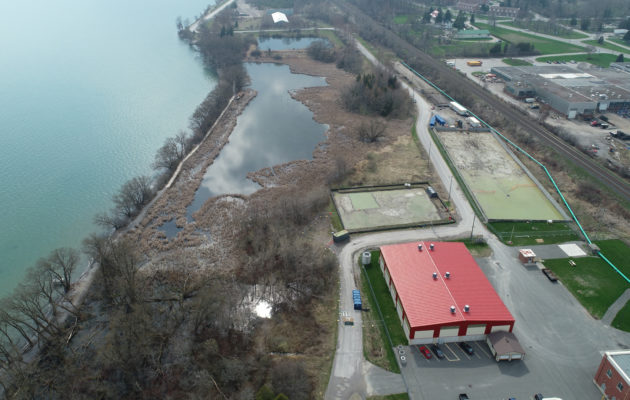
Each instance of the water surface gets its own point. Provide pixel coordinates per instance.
(273, 129)
(89, 90)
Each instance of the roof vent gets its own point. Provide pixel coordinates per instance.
(420, 247)
(447, 275)
(452, 309)
(435, 275)
(432, 246)
(466, 308)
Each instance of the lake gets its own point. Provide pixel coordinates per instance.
(89, 90)
(273, 129)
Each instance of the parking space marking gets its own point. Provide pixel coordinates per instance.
(422, 354)
(482, 350)
(467, 356)
(452, 352)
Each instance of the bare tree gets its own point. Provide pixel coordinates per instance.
(371, 132)
(169, 155)
(134, 194)
(60, 264)
(119, 264)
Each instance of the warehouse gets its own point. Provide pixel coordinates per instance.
(441, 294)
(568, 90)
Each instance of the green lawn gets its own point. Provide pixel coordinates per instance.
(401, 396)
(619, 41)
(462, 48)
(599, 59)
(402, 19)
(516, 62)
(606, 45)
(390, 317)
(622, 320)
(617, 252)
(523, 233)
(332, 36)
(533, 25)
(593, 282)
(543, 45)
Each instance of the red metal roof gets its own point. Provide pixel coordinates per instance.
(427, 301)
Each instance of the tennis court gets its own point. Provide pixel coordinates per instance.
(371, 209)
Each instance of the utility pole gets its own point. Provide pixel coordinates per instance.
(473, 226)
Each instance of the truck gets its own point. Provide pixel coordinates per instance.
(474, 63)
(356, 299)
(458, 108)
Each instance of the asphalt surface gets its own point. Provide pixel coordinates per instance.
(562, 340)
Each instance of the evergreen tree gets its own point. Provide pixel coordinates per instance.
(619, 58)
(573, 21)
(626, 37)
(472, 18)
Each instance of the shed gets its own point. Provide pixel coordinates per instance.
(279, 17)
(527, 256)
(505, 346)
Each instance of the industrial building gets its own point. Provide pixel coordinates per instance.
(441, 294)
(568, 90)
(613, 375)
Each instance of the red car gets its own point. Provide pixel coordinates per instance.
(425, 352)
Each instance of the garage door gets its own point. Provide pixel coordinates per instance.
(423, 334)
(505, 328)
(476, 329)
(447, 331)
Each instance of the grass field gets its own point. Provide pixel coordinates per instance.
(523, 233)
(543, 45)
(606, 45)
(461, 48)
(622, 320)
(391, 324)
(599, 59)
(592, 281)
(401, 396)
(516, 62)
(402, 19)
(619, 41)
(566, 33)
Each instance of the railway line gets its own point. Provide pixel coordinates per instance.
(608, 178)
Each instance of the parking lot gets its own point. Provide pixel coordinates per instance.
(562, 341)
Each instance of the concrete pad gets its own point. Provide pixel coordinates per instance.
(363, 201)
(572, 250)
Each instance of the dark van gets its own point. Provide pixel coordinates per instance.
(341, 236)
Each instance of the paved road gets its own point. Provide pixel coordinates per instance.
(539, 320)
(193, 27)
(615, 307)
(351, 373)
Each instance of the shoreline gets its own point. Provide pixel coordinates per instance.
(81, 287)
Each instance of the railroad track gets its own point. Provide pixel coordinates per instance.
(610, 179)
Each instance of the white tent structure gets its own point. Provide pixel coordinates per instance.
(279, 17)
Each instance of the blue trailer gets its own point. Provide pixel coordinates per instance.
(356, 298)
(432, 121)
(439, 120)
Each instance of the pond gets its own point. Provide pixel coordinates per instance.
(286, 43)
(273, 129)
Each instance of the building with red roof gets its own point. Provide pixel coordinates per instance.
(441, 294)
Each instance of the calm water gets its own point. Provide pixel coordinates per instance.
(276, 44)
(272, 130)
(88, 91)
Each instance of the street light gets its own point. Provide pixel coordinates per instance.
(450, 185)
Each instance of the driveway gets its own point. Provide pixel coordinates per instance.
(563, 342)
